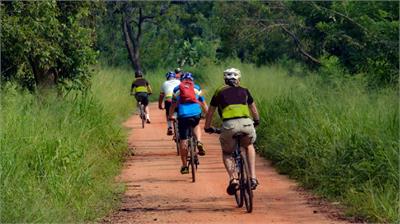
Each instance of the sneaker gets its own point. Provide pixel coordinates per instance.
(184, 170)
(170, 132)
(200, 146)
(148, 121)
(232, 187)
(254, 183)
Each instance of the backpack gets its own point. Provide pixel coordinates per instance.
(187, 94)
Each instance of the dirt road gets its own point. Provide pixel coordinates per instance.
(157, 192)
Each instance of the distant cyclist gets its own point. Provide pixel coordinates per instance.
(142, 90)
(166, 93)
(187, 97)
(178, 73)
(235, 104)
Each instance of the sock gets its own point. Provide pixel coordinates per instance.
(169, 124)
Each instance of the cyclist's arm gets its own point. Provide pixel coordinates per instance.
(254, 111)
(149, 90)
(172, 110)
(160, 99)
(132, 87)
(203, 104)
(209, 116)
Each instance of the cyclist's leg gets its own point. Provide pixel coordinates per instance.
(183, 128)
(169, 123)
(228, 145)
(197, 133)
(247, 142)
(145, 102)
(251, 157)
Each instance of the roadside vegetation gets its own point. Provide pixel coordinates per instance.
(59, 156)
(324, 75)
(333, 135)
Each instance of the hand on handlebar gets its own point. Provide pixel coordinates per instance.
(212, 130)
(256, 123)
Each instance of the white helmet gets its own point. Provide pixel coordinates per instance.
(232, 73)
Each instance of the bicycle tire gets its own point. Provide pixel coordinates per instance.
(192, 161)
(176, 134)
(238, 195)
(142, 115)
(247, 192)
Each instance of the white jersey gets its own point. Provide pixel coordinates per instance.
(168, 88)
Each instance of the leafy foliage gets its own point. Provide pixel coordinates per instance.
(46, 43)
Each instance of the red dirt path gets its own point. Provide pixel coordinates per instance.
(156, 192)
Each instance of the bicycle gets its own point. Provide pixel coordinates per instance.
(244, 195)
(142, 113)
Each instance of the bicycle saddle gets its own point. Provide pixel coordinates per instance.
(239, 134)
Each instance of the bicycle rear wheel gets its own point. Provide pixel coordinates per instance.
(142, 115)
(238, 195)
(247, 192)
(176, 134)
(192, 160)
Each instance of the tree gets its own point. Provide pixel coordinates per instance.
(46, 43)
(134, 18)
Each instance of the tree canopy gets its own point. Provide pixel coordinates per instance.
(49, 42)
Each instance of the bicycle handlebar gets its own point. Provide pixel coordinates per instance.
(212, 130)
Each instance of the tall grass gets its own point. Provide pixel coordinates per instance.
(59, 156)
(332, 135)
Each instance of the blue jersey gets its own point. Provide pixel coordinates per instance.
(188, 109)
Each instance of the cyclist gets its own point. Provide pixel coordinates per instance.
(187, 97)
(234, 104)
(178, 73)
(142, 90)
(167, 90)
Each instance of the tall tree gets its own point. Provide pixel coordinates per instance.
(46, 43)
(134, 18)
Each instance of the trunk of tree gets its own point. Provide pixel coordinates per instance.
(44, 79)
(132, 45)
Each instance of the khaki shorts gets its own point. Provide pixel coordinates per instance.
(231, 127)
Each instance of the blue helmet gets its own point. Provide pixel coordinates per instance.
(187, 75)
(170, 74)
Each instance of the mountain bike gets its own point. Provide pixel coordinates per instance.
(193, 159)
(244, 195)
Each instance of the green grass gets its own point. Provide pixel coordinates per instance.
(59, 156)
(334, 136)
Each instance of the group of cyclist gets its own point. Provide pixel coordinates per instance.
(182, 100)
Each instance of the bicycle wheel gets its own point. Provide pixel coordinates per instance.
(192, 160)
(247, 192)
(196, 157)
(238, 195)
(142, 115)
(176, 134)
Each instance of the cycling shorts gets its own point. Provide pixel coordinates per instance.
(142, 97)
(185, 124)
(233, 126)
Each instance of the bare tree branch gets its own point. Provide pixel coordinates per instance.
(299, 45)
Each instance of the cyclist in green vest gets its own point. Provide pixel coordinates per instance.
(142, 90)
(235, 104)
